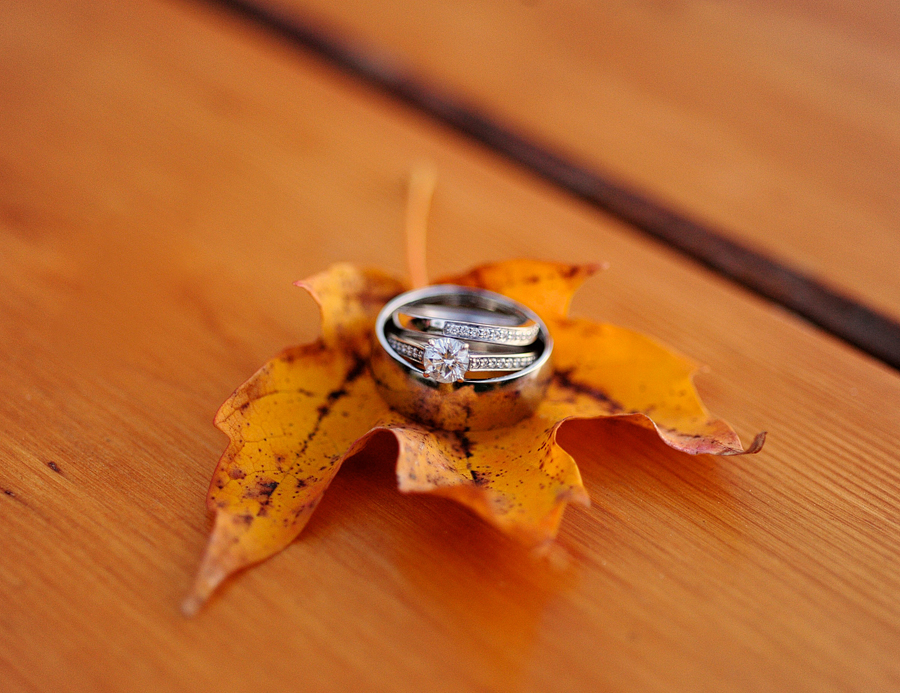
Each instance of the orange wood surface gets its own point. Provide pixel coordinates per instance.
(777, 121)
(165, 174)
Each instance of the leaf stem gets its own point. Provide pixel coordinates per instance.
(422, 182)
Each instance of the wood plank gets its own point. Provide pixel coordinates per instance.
(166, 174)
(777, 122)
(824, 306)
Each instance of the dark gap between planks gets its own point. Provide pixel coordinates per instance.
(855, 323)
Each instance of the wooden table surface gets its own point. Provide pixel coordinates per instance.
(168, 169)
(778, 122)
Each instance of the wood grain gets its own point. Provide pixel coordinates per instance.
(812, 299)
(166, 174)
(777, 122)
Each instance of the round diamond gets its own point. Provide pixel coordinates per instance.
(446, 360)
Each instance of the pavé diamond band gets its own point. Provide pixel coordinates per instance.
(459, 383)
(511, 328)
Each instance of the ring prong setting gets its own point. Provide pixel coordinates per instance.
(446, 360)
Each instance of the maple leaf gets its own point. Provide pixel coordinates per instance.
(294, 422)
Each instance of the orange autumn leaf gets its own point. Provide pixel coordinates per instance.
(605, 370)
(516, 478)
(291, 425)
(349, 301)
(545, 287)
(306, 411)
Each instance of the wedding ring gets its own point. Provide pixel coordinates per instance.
(512, 329)
(498, 393)
(448, 360)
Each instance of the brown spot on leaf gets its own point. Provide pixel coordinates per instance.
(465, 444)
(564, 379)
(264, 488)
(479, 478)
(356, 370)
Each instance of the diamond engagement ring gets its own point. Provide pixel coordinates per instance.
(448, 360)
(433, 363)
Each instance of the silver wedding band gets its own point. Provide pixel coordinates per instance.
(467, 379)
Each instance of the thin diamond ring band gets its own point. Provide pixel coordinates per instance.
(512, 328)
